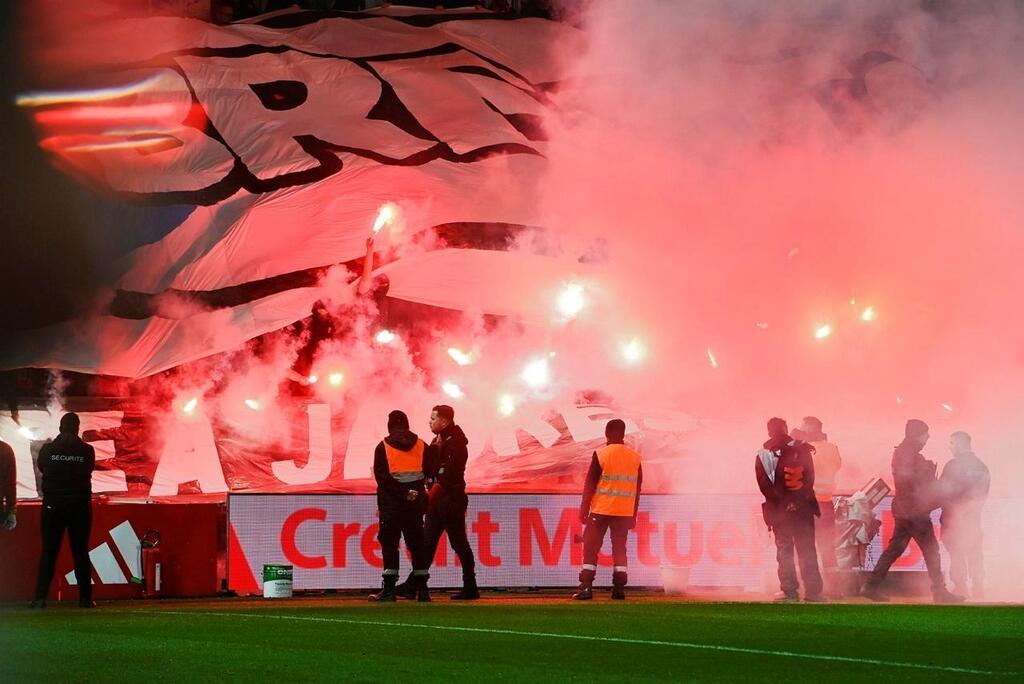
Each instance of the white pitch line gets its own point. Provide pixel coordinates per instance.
(584, 637)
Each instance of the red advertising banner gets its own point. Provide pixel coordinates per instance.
(190, 540)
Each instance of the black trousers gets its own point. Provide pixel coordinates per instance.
(593, 538)
(394, 525)
(825, 543)
(795, 532)
(76, 518)
(448, 515)
(921, 531)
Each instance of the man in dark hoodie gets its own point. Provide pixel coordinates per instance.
(916, 496)
(66, 464)
(785, 475)
(964, 487)
(446, 512)
(401, 501)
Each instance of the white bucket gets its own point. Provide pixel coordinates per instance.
(277, 581)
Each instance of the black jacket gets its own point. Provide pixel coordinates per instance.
(66, 464)
(964, 487)
(392, 495)
(793, 488)
(916, 486)
(447, 456)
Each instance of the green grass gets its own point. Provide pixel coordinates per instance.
(345, 640)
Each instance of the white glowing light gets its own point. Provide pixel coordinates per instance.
(384, 216)
(571, 300)
(868, 314)
(335, 378)
(451, 389)
(460, 357)
(947, 407)
(899, 400)
(822, 331)
(253, 404)
(762, 325)
(712, 359)
(633, 351)
(506, 404)
(386, 337)
(189, 406)
(312, 379)
(26, 432)
(536, 373)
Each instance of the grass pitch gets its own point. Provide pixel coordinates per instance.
(528, 640)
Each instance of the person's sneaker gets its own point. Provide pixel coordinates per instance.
(946, 596)
(86, 603)
(38, 603)
(466, 594)
(406, 590)
(583, 594)
(874, 594)
(814, 598)
(618, 593)
(786, 598)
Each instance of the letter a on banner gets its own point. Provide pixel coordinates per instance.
(189, 454)
(318, 467)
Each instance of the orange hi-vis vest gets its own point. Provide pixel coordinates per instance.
(406, 466)
(826, 466)
(616, 491)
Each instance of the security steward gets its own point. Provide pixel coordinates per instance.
(917, 495)
(8, 487)
(785, 475)
(401, 501)
(611, 497)
(66, 464)
(446, 511)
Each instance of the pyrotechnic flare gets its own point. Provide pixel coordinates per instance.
(571, 300)
(384, 217)
(253, 404)
(633, 351)
(947, 407)
(460, 357)
(712, 359)
(451, 389)
(386, 337)
(312, 379)
(822, 331)
(335, 378)
(868, 314)
(26, 432)
(536, 373)
(190, 406)
(506, 404)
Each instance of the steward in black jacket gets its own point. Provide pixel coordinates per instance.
(785, 476)
(66, 464)
(401, 500)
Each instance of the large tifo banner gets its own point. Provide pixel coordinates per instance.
(520, 540)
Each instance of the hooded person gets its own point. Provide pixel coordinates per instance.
(398, 468)
(611, 498)
(448, 503)
(66, 464)
(917, 495)
(964, 487)
(784, 470)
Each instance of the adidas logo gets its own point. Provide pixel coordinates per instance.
(105, 563)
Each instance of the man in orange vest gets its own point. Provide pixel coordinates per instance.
(401, 501)
(827, 463)
(611, 495)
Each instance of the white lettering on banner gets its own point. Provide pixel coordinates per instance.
(42, 426)
(318, 466)
(190, 454)
(519, 540)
